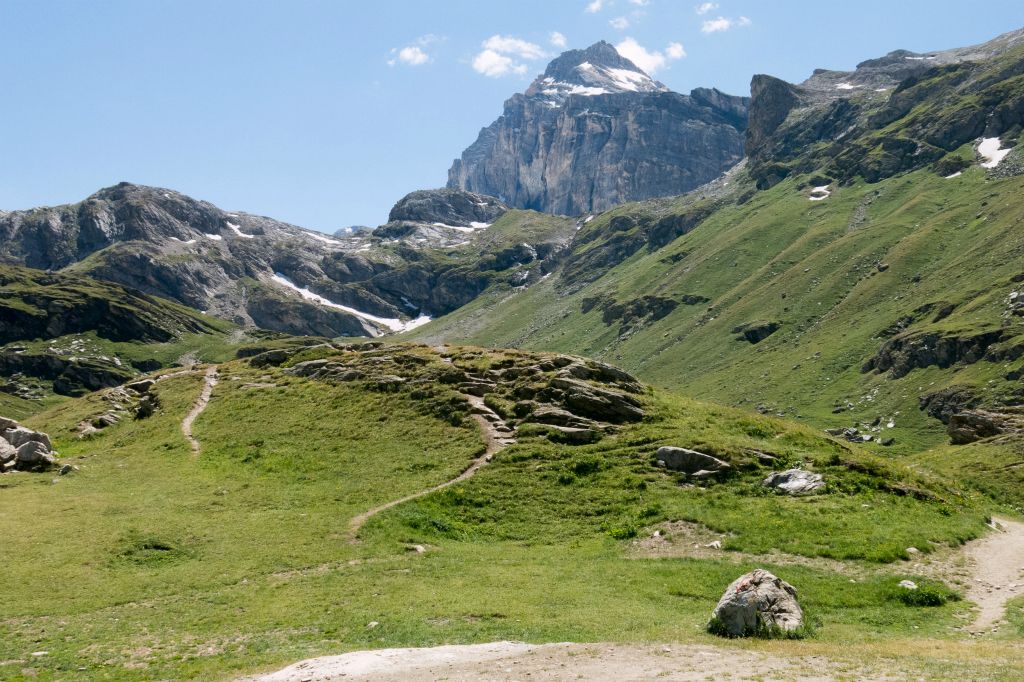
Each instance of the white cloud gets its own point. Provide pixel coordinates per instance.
(495, 65)
(706, 7)
(513, 46)
(502, 55)
(595, 6)
(639, 3)
(649, 61)
(723, 24)
(414, 55)
(620, 23)
(557, 39)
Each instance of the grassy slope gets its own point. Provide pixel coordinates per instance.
(810, 265)
(151, 564)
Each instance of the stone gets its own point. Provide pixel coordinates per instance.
(908, 584)
(141, 386)
(598, 403)
(19, 435)
(34, 454)
(794, 481)
(7, 451)
(67, 469)
(689, 461)
(573, 436)
(756, 603)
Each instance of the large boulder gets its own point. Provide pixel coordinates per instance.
(794, 481)
(757, 603)
(34, 454)
(688, 461)
(24, 449)
(19, 435)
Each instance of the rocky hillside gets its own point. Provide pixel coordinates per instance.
(832, 277)
(439, 249)
(594, 131)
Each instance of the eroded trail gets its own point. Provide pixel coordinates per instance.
(497, 436)
(567, 661)
(209, 381)
(997, 574)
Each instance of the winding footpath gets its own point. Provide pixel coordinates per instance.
(209, 381)
(497, 435)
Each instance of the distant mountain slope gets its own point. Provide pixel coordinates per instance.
(594, 131)
(70, 334)
(853, 295)
(439, 250)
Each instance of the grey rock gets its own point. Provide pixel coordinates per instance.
(141, 386)
(794, 482)
(34, 454)
(689, 461)
(7, 451)
(19, 435)
(755, 603)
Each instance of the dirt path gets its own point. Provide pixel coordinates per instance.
(567, 661)
(998, 572)
(209, 381)
(497, 436)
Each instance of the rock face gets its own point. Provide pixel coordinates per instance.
(795, 482)
(594, 131)
(23, 449)
(757, 603)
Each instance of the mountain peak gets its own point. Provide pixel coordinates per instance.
(597, 70)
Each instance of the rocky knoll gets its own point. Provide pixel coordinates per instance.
(567, 399)
(594, 131)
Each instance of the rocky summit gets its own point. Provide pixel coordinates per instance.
(594, 131)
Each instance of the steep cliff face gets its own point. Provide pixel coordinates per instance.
(594, 131)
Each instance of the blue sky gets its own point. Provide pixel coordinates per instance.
(325, 113)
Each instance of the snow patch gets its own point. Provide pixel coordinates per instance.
(990, 149)
(214, 237)
(954, 175)
(479, 226)
(237, 230)
(320, 237)
(820, 193)
(392, 323)
(183, 241)
(846, 86)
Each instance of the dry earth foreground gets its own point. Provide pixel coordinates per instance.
(425, 511)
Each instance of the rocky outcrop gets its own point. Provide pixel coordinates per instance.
(448, 207)
(594, 131)
(756, 332)
(905, 352)
(23, 449)
(757, 604)
(566, 399)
